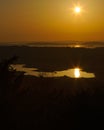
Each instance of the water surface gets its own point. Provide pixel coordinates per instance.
(72, 73)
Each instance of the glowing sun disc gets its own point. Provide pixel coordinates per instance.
(77, 9)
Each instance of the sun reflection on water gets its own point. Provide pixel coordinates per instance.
(72, 73)
(77, 73)
(77, 46)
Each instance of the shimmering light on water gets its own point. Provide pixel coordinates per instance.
(77, 46)
(77, 72)
(72, 73)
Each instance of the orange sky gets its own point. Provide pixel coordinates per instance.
(51, 20)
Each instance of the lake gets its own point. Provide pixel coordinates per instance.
(72, 73)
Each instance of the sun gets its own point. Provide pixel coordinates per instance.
(77, 10)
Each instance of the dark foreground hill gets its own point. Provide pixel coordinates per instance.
(54, 103)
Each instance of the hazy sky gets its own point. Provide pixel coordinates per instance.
(51, 20)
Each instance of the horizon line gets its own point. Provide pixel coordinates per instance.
(51, 41)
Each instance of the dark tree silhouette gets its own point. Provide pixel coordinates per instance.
(10, 79)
